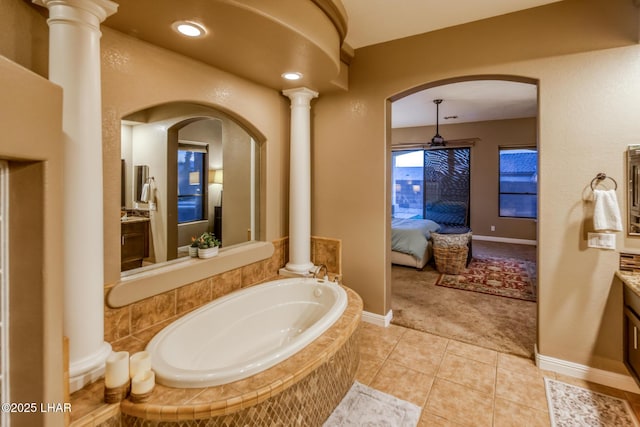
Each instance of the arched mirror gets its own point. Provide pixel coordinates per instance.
(187, 169)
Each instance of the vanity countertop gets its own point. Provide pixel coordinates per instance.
(632, 280)
(130, 219)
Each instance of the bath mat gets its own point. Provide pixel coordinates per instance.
(505, 277)
(573, 406)
(364, 406)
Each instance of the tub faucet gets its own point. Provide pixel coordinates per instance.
(319, 269)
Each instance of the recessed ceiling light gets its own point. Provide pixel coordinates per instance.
(189, 28)
(292, 76)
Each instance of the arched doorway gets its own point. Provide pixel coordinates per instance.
(494, 118)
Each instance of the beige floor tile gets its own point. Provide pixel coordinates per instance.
(430, 420)
(368, 368)
(521, 388)
(403, 383)
(423, 359)
(518, 364)
(510, 414)
(424, 340)
(378, 342)
(473, 352)
(476, 375)
(459, 404)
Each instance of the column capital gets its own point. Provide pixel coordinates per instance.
(101, 9)
(302, 94)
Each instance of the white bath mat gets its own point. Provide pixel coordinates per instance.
(364, 406)
(573, 406)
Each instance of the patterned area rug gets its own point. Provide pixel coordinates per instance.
(505, 277)
(364, 406)
(572, 406)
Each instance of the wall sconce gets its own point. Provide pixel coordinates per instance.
(416, 188)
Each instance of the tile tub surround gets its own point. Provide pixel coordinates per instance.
(286, 391)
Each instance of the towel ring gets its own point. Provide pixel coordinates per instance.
(601, 177)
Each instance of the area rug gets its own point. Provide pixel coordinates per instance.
(573, 406)
(364, 406)
(505, 277)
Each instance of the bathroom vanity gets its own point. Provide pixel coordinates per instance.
(631, 355)
(134, 241)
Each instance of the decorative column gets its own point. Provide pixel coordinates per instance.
(300, 182)
(74, 64)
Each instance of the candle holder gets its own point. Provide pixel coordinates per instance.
(142, 386)
(140, 398)
(116, 377)
(116, 394)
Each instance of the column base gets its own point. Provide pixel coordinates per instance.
(89, 369)
(298, 271)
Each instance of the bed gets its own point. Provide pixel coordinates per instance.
(410, 244)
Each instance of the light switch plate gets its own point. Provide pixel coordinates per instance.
(601, 240)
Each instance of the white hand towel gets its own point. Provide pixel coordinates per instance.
(144, 194)
(606, 213)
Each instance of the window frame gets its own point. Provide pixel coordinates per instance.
(501, 149)
(196, 148)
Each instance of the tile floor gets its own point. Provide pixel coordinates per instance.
(458, 384)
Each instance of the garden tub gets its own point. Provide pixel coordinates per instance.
(245, 333)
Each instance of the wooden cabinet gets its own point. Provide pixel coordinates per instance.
(134, 242)
(632, 333)
(217, 222)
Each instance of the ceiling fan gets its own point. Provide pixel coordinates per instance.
(437, 140)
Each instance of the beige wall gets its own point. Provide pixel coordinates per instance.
(35, 238)
(484, 169)
(136, 75)
(586, 58)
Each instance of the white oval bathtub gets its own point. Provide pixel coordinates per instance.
(245, 332)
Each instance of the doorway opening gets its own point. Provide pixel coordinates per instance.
(484, 179)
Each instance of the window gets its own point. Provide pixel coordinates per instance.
(192, 169)
(432, 184)
(519, 182)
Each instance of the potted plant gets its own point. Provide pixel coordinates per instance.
(208, 245)
(193, 249)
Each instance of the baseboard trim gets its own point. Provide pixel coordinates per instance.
(505, 240)
(377, 319)
(583, 372)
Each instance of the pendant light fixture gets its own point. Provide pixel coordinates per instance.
(437, 140)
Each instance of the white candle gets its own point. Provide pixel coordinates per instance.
(116, 372)
(143, 382)
(139, 362)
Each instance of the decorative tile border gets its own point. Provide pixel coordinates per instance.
(307, 402)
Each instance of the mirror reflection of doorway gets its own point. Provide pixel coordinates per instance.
(186, 148)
